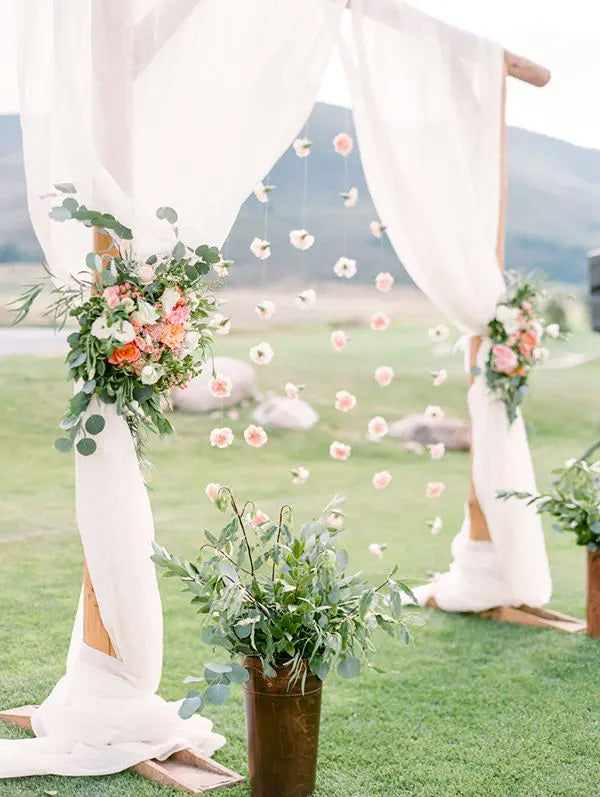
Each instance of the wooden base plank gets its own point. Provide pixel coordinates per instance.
(188, 770)
(540, 618)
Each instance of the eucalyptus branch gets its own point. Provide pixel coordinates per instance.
(218, 550)
(241, 522)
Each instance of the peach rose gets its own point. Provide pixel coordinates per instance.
(173, 335)
(128, 353)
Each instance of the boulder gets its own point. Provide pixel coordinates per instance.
(280, 412)
(452, 432)
(197, 398)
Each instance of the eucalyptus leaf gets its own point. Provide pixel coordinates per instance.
(63, 444)
(86, 446)
(95, 424)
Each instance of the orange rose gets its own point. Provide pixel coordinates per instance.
(173, 335)
(128, 353)
(527, 343)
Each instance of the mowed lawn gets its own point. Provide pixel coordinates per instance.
(471, 708)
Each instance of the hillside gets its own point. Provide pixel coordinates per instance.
(553, 212)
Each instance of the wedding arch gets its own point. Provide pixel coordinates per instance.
(142, 103)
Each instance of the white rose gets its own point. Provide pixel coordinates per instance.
(151, 374)
(169, 299)
(145, 314)
(192, 299)
(509, 317)
(553, 330)
(190, 342)
(122, 331)
(127, 304)
(100, 328)
(540, 353)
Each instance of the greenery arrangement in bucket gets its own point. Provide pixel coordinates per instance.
(574, 500)
(282, 596)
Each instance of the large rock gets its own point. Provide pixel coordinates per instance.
(454, 433)
(197, 398)
(280, 412)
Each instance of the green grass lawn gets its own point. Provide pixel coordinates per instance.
(471, 708)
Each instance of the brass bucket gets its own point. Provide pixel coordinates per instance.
(282, 724)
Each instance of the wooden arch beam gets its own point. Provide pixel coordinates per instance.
(518, 67)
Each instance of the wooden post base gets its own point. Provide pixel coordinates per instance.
(188, 770)
(526, 615)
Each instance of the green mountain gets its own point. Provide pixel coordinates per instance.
(553, 211)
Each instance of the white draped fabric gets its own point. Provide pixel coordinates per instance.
(143, 103)
(427, 107)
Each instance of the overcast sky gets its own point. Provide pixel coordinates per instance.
(563, 35)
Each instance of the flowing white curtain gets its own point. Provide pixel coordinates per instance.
(143, 103)
(427, 107)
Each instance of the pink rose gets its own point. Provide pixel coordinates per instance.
(339, 340)
(339, 450)
(111, 296)
(255, 436)
(504, 359)
(146, 274)
(437, 450)
(376, 549)
(179, 314)
(381, 479)
(344, 401)
(343, 144)
(384, 375)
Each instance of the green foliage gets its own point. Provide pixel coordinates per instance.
(283, 596)
(573, 502)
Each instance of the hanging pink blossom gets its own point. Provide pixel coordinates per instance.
(380, 321)
(376, 549)
(434, 489)
(345, 267)
(262, 354)
(343, 144)
(434, 413)
(350, 197)
(381, 479)
(265, 309)
(212, 490)
(377, 229)
(436, 525)
(377, 427)
(255, 436)
(300, 474)
(291, 390)
(261, 192)
(384, 281)
(260, 248)
(439, 334)
(344, 401)
(302, 147)
(339, 340)
(339, 450)
(221, 437)
(258, 518)
(221, 324)
(384, 375)
(301, 239)
(437, 450)
(220, 386)
(306, 300)
(335, 520)
(439, 377)
(233, 414)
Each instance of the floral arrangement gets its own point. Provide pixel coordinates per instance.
(144, 327)
(516, 332)
(266, 591)
(573, 502)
